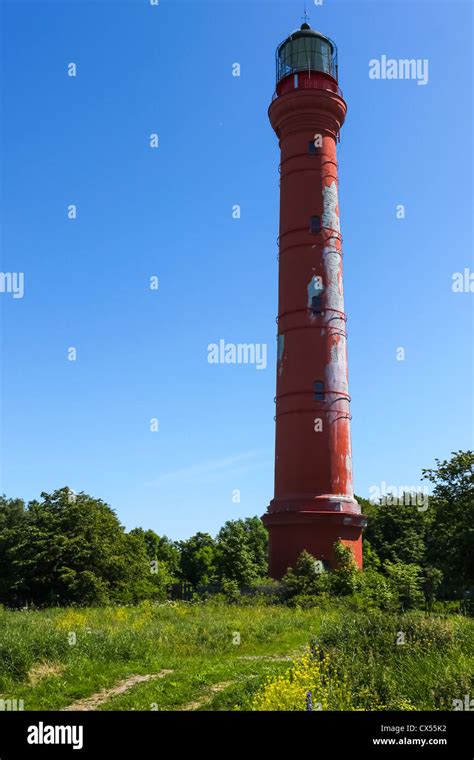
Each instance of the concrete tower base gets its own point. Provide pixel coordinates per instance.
(292, 532)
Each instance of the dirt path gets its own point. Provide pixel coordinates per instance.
(213, 690)
(92, 702)
(270, 657)
(218, 687)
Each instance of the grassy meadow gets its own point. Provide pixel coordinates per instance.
(217, 656)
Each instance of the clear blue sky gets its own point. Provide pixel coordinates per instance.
(142, 354)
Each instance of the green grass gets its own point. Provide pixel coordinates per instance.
(52, 658)
(195, 641)
(403, 658)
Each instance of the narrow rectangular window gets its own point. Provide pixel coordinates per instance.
(315, 225)
(295, 81)
(316, 305)
(313, 149)
(318, 388)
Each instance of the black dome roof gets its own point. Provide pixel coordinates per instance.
(304, 31)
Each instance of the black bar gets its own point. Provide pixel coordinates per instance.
(141, 734)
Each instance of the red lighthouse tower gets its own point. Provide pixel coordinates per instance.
(314, 503)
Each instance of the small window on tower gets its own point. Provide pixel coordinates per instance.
(318, 390)
(313, 149)
(316, 305)
(315, 225)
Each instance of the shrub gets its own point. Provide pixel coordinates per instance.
(345, 579)
(376, 591)
(406, 582)
(312, 680)
(306, 579)
(432, 579)
(230, 590)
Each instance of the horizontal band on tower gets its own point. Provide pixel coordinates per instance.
(311, 157)
(343, 396)
(309, 308)
(342, 415)
(304, 245)
(333, 233)
(333, 177)
(335, 330)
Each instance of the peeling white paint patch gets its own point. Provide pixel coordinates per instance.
(348, 463)
(336, 369)
(330, 201)
(280, 346)
(315, 288)
(332, 270)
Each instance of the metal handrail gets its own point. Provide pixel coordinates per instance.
(308, 85)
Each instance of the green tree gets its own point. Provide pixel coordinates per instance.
(73, 550)
(12, 518)
(397, 532)
(241, 550)
(161, 580)
(371, 558)
(450, 539)
(198, 559)
(160, 549)
(257, 537)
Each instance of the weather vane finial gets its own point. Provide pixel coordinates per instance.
(306, 16)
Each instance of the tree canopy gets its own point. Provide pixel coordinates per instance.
(68, 548)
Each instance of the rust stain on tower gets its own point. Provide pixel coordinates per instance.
(314, 503)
